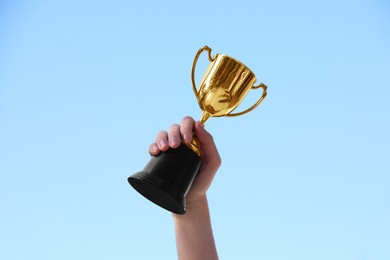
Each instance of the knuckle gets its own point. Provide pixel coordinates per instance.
(188, 118)
(161, 134)
(219, 161)
(174, 126)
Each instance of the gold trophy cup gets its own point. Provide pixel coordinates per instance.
(168, 176)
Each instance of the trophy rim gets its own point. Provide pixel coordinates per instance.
(241, 63)
(147, 187)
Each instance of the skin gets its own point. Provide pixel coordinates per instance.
(193, 231)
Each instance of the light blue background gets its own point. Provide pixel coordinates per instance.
(86, 85)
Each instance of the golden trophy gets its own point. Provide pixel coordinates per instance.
(168, 176)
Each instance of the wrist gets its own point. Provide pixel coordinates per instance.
(194, 205)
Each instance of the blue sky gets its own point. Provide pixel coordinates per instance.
(86, 85)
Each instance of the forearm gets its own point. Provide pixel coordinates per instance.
(194, 235)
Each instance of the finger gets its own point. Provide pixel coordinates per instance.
(153, 149)
(187, 128)
(174, 136)
(162, 141)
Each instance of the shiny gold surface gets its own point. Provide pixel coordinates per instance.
(223, 87)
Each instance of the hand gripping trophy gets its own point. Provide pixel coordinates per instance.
(167, 177)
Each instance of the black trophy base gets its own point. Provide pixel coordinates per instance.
(167, 178)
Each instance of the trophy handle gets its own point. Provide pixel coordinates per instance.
(211, 59)
(264, 87)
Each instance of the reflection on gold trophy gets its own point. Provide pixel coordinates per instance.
(224, 85)
(167, 177)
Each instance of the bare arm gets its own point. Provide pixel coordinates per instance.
(193, 231)
(194, 235)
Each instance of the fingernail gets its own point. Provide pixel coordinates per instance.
(163, 143)
(154, 147)
(187, 138)
(174, 141)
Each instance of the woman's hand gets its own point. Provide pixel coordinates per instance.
(182, 133)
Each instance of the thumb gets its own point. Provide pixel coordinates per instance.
(208, 148)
